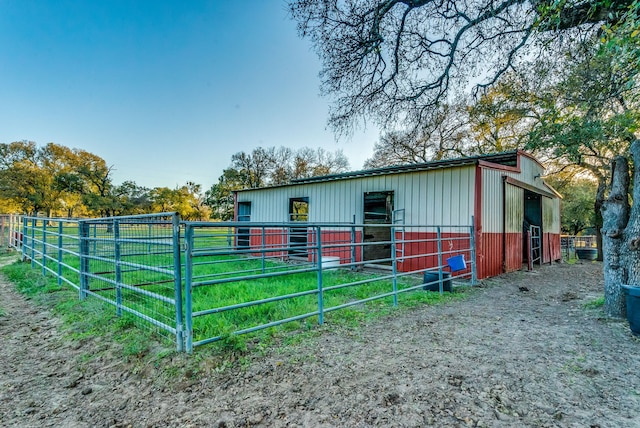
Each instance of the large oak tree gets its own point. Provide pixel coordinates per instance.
(395, 61)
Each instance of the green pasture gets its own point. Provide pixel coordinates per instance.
(340, 286)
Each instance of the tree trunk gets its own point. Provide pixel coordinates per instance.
(600, 193)
(632, 231)
(620, 235)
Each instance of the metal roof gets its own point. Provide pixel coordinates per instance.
(509, 158)
(504, 158)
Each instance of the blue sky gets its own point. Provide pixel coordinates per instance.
(165, 91)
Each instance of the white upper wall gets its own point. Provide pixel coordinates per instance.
(441, 196)
(433, 197)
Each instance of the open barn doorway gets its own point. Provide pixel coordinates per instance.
(532, 235)
(298, 212)
(243, 239)
(378, 209)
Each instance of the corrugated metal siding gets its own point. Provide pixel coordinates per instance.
(514, 217)
(513, 208)
(492, 190)
(551, 215)
(551, 230)
(489, 256)
(442, 196)
(422, 243)
(528, 170)
(492, 201)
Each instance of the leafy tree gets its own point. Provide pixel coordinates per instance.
(312, 163)
(185, 200)
(492, 124)
(578, 204)
(444, 135)
(220, 196)
(98, 195)
(393, 61)
(131, 199)
(7, 206)
(30, 176)
(269, 166)
(499, 121)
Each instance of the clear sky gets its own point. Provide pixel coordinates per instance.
(165, 91)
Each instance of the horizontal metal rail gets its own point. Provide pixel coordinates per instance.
(168, 267)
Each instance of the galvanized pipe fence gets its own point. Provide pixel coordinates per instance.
(10, 231)
(200, 282)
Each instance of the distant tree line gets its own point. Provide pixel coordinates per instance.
(270, 166)
(54, 180)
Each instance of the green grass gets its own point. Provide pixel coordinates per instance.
(96, 327)
(88, 319)
(220, 295)
(595, 303)
(223, 324)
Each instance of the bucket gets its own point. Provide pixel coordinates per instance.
(457, 263)
(633, 307)
(431, 281)
(329, 262)
(587, 253)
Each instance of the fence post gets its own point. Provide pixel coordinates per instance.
(177, 275)
(24, 237)
(394, 266)
(474, 266)
(320, 286)
(353, 244)
(33, 241)
(83, 231)
(60, 231)
(117, 257)
(262, 249)
(95, 239)
(44, 247)
(440, 276)
(188, 273)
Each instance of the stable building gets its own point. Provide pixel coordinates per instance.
(503, 194)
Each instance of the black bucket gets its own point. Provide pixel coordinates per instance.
(587, 253)
(431, 281)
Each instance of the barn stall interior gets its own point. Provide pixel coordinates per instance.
(513, 214)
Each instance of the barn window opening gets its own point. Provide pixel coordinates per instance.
(299, 209)
(298, 212)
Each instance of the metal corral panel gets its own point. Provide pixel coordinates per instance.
(442, 196)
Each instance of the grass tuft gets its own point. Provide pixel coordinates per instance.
(595, 303)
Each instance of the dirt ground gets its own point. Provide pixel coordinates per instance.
(522, 350)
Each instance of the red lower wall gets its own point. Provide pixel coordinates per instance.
(334, 243)
(513, 254)
(419, 249)
(551, 250)
(489, 254)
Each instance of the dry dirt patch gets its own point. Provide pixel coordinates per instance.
(522, 350)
